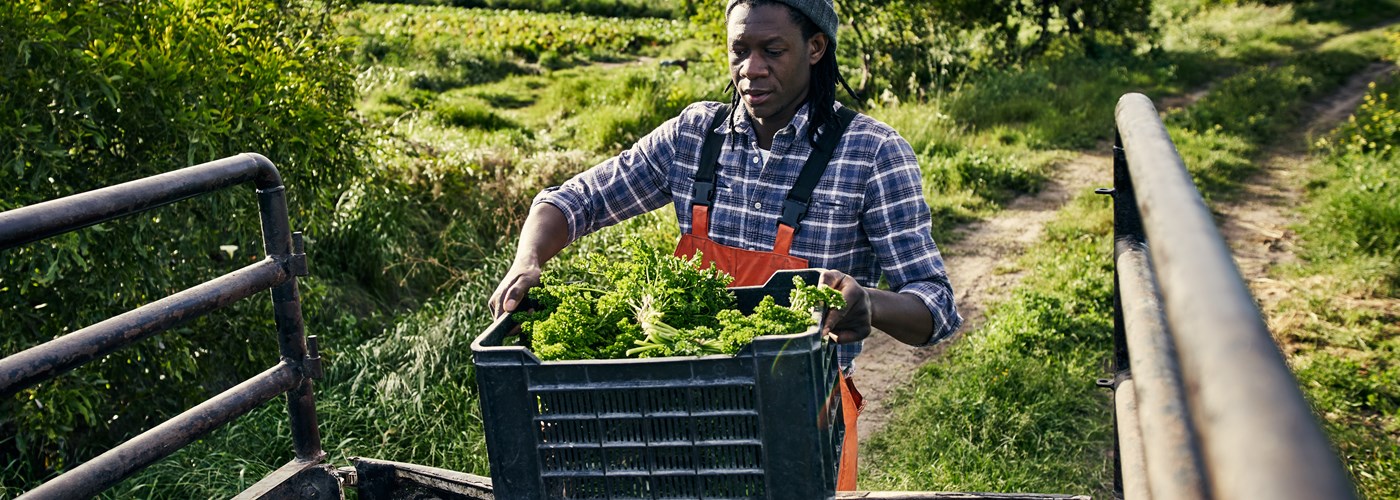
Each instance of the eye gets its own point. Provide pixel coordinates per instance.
(774, 52)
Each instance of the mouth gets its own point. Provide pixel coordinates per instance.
(756, 97)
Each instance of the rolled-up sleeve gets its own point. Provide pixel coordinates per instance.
(629, 184)
(897, 220)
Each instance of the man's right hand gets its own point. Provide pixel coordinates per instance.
(511, 292)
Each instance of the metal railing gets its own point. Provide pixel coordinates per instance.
(293, 374)
(1206, 406)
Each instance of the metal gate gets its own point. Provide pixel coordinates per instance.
(1205, 405)
(293, 373)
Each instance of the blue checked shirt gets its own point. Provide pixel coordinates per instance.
(867, 217)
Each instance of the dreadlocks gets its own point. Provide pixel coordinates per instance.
(821, 93)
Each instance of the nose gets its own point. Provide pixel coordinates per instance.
(753, 66)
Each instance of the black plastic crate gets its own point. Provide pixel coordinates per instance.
(765, 423)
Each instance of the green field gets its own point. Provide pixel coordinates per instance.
(413, 138)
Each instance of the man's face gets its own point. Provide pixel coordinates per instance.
(770, 62)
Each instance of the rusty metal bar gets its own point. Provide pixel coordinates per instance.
(286, 259)
(1259, 438)
(98, 474)
(1130, 442)
(51, 218)
(278, 239)
(1173, 461)
(55, 357)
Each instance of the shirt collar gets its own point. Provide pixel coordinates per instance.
(741, 124)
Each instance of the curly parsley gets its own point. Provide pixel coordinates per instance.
(656, 305)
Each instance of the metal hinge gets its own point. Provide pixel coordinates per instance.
(312, 364)
(296, 262)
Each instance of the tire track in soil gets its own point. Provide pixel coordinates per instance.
(976, 259)
(1255, 223)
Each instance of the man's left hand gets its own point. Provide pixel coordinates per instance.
(850, 323)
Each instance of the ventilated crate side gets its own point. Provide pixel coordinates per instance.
(762, 424)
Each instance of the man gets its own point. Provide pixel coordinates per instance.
(863, 214)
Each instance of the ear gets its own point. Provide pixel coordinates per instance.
(816, 48)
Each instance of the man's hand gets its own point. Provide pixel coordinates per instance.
(544, 234)
(512, 289)
(850, 323)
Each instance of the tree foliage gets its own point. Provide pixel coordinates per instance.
(102, 92)
(907, 46)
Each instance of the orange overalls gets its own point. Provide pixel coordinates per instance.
(754, 267)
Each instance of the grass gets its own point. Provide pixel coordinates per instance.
(1338, 322)
(442, 48)
(1013, 406)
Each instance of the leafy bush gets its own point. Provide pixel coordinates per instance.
(98, 93)
(1355, 207)
(611, 8)
(911, 46)
(472, 114)
(450, 47)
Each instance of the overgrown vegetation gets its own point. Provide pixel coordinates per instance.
(103, 93)
(967, 414)
(411, 204)
(613, 8)
(1340, 322)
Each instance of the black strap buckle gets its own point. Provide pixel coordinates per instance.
(793, 213)
(703, 193)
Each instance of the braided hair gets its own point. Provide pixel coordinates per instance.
(821, 92)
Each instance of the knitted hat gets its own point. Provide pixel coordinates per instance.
(821, 12)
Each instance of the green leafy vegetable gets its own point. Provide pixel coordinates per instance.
(656, 305)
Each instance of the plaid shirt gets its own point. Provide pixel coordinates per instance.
(867, 217)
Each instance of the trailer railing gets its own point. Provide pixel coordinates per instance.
(292, 374)
(1205, 405)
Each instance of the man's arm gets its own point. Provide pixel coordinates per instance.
(544, 234)
(631, 183)
(902, 316)
(898, 222)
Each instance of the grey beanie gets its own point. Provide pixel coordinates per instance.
(821, 12)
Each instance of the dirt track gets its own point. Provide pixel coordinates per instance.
(976, 264)
(1255, 224)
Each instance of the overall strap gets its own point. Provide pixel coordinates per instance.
(703, 194)
(795, 206)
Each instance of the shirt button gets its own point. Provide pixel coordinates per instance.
(758, 205)
(755, 159)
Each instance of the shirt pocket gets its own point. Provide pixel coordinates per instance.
(832, 221)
